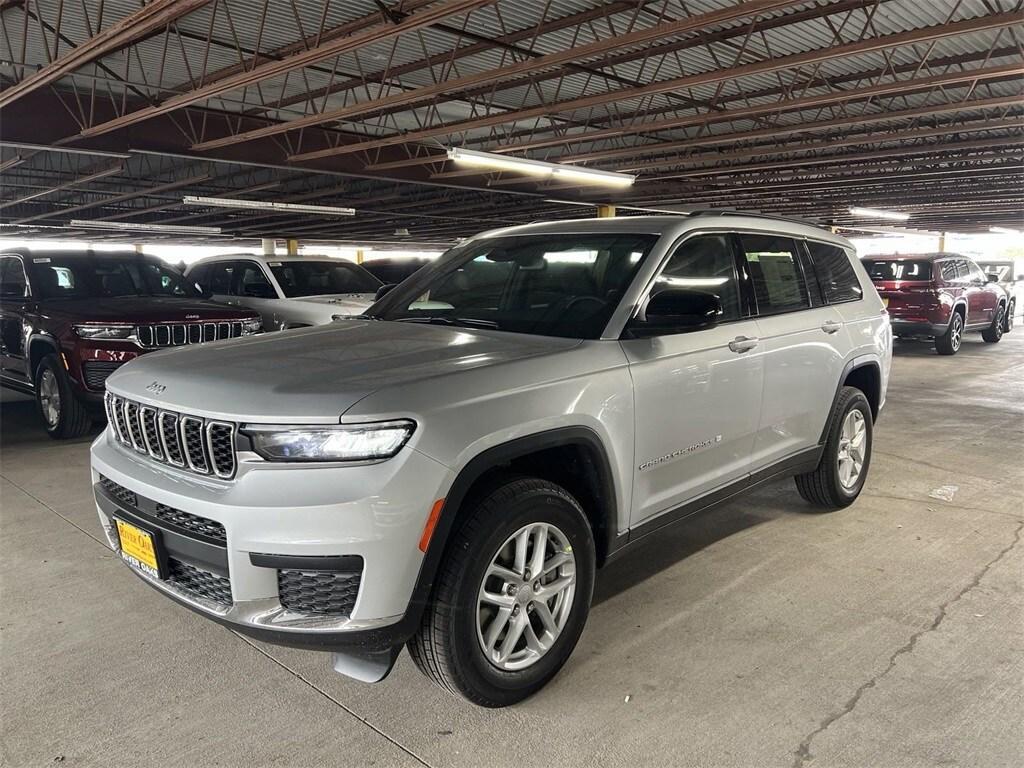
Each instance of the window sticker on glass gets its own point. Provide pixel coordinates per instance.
(273, 263)
(43, 260)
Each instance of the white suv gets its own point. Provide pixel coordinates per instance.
(287, 291)
(448, 471)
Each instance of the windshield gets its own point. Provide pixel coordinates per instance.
(96, 277)
(549, 285)
(898, 269)
(315, 278)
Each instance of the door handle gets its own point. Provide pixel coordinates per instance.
(743, 344)
(831, 326)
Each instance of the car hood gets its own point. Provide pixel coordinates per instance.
(147, 309)
(314, 375)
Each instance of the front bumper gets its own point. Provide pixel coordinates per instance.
(233, 544)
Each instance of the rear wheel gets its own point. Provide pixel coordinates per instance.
(839, 477)
(64, 416)
(949, 342)
(994, 332)
(513, 595)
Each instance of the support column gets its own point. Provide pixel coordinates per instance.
(138, 248)
(293, 246)
(606, 211)
(269, 246)
(359, 255)
(942, 242)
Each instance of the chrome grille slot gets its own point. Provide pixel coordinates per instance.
(134, 426)
(178, 335)
(162, 335)
(150, 434)
(220, 443)
(182, 334)
(145, 335)
(203, 446)
(223, 330)
(170, 440)
(195, 333)
(209, 332)
(193, 441)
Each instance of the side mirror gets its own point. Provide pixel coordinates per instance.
(384, 290)
(993, 278)
(677, 310)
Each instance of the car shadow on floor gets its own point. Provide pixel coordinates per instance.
(675, 543)
(21, 425)
(923, 348)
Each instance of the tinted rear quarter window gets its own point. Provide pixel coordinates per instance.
(773, 265)
(835, 273)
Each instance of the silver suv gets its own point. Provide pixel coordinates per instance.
(447, 471)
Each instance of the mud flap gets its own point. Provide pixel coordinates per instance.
(365, 666)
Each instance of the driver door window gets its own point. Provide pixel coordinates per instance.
(251, 282)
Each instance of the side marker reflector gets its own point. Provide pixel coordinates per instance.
(428, 529)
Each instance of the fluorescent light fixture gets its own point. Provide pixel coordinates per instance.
(266, 205)
(874, 213)
(556, 171)
(1004, 231)
(130, 226)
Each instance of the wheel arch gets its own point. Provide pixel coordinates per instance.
(39, 345)
(865, 374)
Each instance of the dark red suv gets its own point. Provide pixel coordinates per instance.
(940, 296)
(69, 319)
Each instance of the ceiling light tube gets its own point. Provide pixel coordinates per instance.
(266, 205)
(874, 213)
(539, 168)
(130, 226)
(1004, 231)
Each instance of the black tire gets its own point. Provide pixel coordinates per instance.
(446, 648)
(1008, 317)
(994, 332)
(72, 418)
(822, 487)
(949, 342)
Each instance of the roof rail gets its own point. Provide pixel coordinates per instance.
(752, 214)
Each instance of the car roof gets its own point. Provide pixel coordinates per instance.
(78, 253)
(267, 257)
(676, 225)
(914, 256)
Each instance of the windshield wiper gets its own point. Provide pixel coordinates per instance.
(470, 322)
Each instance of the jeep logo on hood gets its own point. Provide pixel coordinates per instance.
(156, 388)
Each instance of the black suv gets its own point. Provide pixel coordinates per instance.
(68, 319)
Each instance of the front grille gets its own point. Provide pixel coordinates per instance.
(194, 523)
(180, 334)
(119, 492)
(204, 446)
(319, 591)
(199, 582)
(96, 372)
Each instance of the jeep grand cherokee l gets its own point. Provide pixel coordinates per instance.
(448, 471)
(939, 296)
(69, 319)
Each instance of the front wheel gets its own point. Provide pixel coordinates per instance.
(64, 416)
(994, 332)
(513, 595)
(839, 477)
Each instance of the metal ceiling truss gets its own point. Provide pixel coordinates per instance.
(798, 107)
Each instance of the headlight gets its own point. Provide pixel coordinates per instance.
(102, 332)
(344, 442)
(250, 327)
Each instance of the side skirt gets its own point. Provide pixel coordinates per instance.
(797, 464)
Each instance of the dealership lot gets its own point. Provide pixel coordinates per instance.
(888, 633)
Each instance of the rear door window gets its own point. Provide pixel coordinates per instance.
(773, 264)
(948, 271)
(835, 273)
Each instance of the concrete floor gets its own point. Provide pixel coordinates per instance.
(888, 634)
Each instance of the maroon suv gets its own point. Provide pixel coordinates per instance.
(69, 319)
(939, 295)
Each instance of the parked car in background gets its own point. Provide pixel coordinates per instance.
(393, 271)
(71, 318)
(939, 296)
(287, 291)
(1010, 277)
(449, 469)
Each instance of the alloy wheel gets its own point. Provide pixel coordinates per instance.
(956, 332)
(526, 596)
(49, 397)
(852, 449)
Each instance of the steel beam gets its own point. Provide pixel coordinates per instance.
(109, 171)
(925, 34)
(153, 15)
